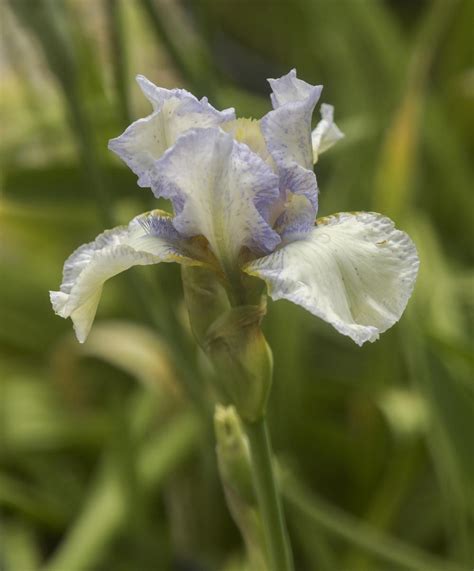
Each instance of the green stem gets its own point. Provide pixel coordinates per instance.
(276, 535)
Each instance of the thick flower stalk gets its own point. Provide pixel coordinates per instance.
(245, 200)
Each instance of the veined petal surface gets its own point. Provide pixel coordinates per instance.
(355, 271)
(326, 133)
(148, 239)
(220, 189)
(175, 112)
(287, 132)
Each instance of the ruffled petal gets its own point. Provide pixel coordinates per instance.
(220, 189)
(158, 95)
(326, 134)
(175, 112)
(148, 239)
(287, 132)
(290, 89)
(355, 271)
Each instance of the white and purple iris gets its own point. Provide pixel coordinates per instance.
(245, 199)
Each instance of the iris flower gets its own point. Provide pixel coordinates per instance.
(245, 200)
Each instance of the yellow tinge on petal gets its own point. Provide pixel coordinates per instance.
(245, 130)
(170, 132)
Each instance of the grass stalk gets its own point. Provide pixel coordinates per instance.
(105, 511)
(119, 58)
(319, 514)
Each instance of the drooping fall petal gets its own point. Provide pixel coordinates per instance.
(355, 271)
(148, 239)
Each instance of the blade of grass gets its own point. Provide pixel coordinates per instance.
(104, 511)
(320, 514)
(41, 19)
(20, 550)
(393, 195)
(448, 421)
(188, 54)
(388, 498)
(31, 504)
(396, 165)
(119, 57)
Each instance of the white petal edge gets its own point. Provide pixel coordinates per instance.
(157, 95)
(354, 270)
(326, 133)
(112, 252)
(221, 190)
(175, 112)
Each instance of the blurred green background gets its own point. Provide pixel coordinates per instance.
(107, 451)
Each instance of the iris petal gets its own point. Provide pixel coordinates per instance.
(148, 239)
(326, 134)
(355, 271)
(221, 190)
(175, 112)
(287, 131)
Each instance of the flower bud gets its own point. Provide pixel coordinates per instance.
(233, 456)
(242, 359)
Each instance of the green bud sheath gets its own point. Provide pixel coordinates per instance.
(226, 320)
(242, 358)
(233, 340)
(233, 456)
(205, 299)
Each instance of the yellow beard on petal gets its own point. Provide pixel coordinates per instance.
(248, 131)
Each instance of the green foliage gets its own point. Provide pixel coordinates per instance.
(107, 453)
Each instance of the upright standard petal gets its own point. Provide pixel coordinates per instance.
(175, 112)
(148, 239)
(220, 189)
(158, 95)
(355, 271)
(326, 134)
(287, 132)
(290, 89)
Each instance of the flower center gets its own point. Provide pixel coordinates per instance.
(248, 131)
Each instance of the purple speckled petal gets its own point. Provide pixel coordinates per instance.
(296, 218)
(355, 271)
(220, 189)
(287, 131)
(175, 112)
(148, 239)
